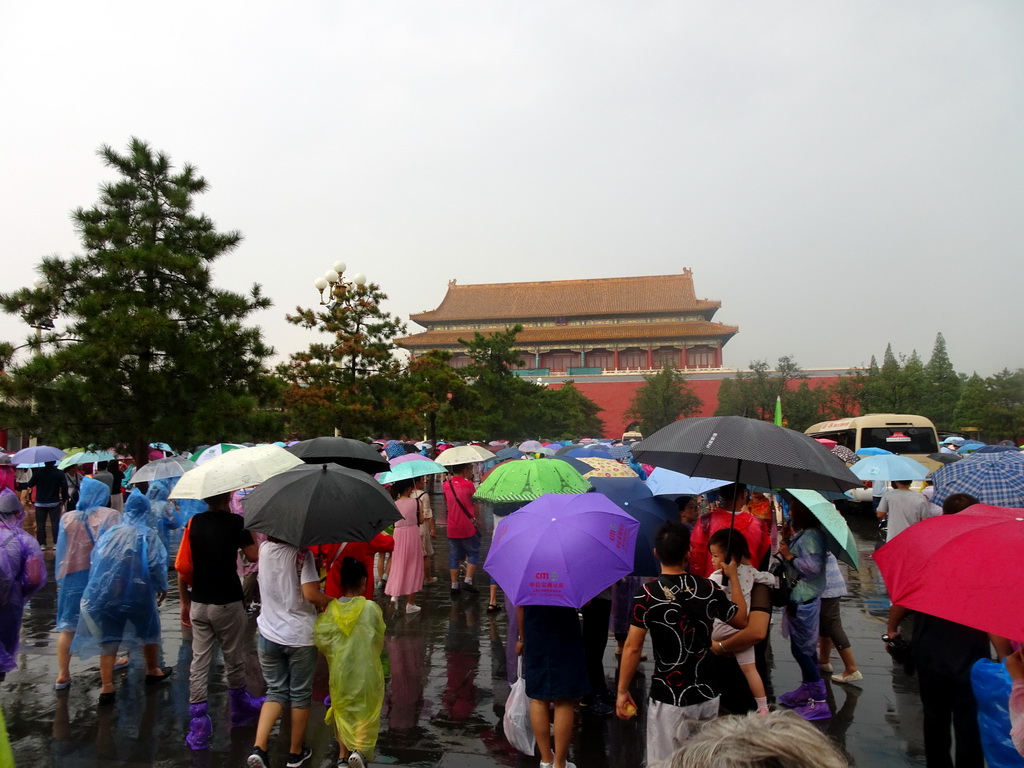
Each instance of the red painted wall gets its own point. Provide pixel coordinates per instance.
(614, 398)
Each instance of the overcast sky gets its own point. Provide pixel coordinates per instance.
(839, 175)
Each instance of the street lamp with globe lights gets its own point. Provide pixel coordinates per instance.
(339, 286)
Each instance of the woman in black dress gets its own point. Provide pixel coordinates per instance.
(551, 643)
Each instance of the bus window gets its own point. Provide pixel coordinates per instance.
(900, 439)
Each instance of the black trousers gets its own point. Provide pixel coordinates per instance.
(945, 699)
(596, 615)
(42, 515)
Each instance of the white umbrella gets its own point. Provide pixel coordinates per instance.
(463, 454)
(161, 469)
(233, 470)
(213, 451)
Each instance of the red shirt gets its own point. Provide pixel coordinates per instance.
(360, 550)
(458, 496)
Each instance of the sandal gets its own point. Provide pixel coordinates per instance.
(493, 607)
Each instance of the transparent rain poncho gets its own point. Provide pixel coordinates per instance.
(22, 573)
(350, 634)
(164, 513)
(129, 569)
(79, 531)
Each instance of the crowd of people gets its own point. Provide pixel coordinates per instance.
(705, 618)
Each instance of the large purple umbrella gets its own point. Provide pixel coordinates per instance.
(562, 549)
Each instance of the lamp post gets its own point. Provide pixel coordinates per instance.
(340, 291)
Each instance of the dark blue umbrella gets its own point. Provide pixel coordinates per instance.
(620, 452)
(579, 466)
(633, 496)
(588, 453)
(509, 453)
(998, 449)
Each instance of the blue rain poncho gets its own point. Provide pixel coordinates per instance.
(79, 531)
(129, 569)
(350, 633)
(22, 573)
(165, 515)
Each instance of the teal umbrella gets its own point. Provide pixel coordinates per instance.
(838, 536)
(85, 457)
(409, 470)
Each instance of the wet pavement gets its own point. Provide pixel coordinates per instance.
(444, 698)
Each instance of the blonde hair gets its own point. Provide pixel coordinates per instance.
(774, 740)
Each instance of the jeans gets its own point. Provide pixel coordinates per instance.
(288, 671)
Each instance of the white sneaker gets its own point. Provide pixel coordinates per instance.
(547, 765)
(412, 609)
(356, 760)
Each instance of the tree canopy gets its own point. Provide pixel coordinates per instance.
(664, 398)
(134, 342)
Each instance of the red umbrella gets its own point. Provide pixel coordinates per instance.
(962, 567)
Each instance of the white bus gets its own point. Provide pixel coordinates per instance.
(900, 433)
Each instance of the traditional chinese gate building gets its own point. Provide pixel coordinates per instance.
(583, 327)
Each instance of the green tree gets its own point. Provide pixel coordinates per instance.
(349, 382)
(973, 407)
(899, 386)
(569, 414)
(434, 387)
(843, 397)
(753, 393)
(500, 403)
(144, 348)
(1006, 411)
(664, 398)
(943, 386)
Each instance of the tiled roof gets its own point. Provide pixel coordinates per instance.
(646, 295)
(570, 334)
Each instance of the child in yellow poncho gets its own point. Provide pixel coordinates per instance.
(350, 633)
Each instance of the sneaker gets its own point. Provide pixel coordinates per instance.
(258, 759)
(826, 667)
(356, 760)
(455, 591)
(547, 765)
(411, 609)
(763, 711)
(470, 588)
(298, 759)
(853, 677)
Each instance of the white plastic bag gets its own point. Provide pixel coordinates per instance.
(517, 717)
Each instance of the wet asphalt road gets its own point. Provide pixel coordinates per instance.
(444, 698)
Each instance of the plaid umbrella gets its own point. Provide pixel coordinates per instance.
(992, 478)
(509, 453)
(620, 452)
(394, 450)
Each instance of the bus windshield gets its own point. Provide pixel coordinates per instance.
(900, 439)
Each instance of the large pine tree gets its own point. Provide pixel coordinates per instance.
(143, 347)
(943, 386)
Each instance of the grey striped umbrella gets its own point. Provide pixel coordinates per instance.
(748, 451)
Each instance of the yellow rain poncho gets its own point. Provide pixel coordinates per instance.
(350, 634)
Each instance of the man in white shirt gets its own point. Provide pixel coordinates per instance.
(902, 507)
(290, 596)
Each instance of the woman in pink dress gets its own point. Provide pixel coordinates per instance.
(406, 577)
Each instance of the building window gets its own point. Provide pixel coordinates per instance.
(633, 358)
(700, 357)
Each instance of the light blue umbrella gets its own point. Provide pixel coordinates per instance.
(886, 469)
(37, 454)
(665, 482)
(409, 470)
(85, 457)
(874, 452)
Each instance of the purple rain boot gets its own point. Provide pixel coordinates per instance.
(245, 708)
(798, 697)
(816, 707)
(200, 729)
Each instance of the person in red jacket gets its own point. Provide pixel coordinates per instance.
(331, 556)
(751, 528)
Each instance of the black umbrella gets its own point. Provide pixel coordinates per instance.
(746, 451)
(345, 451)
(945, 458)
(320, 504)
